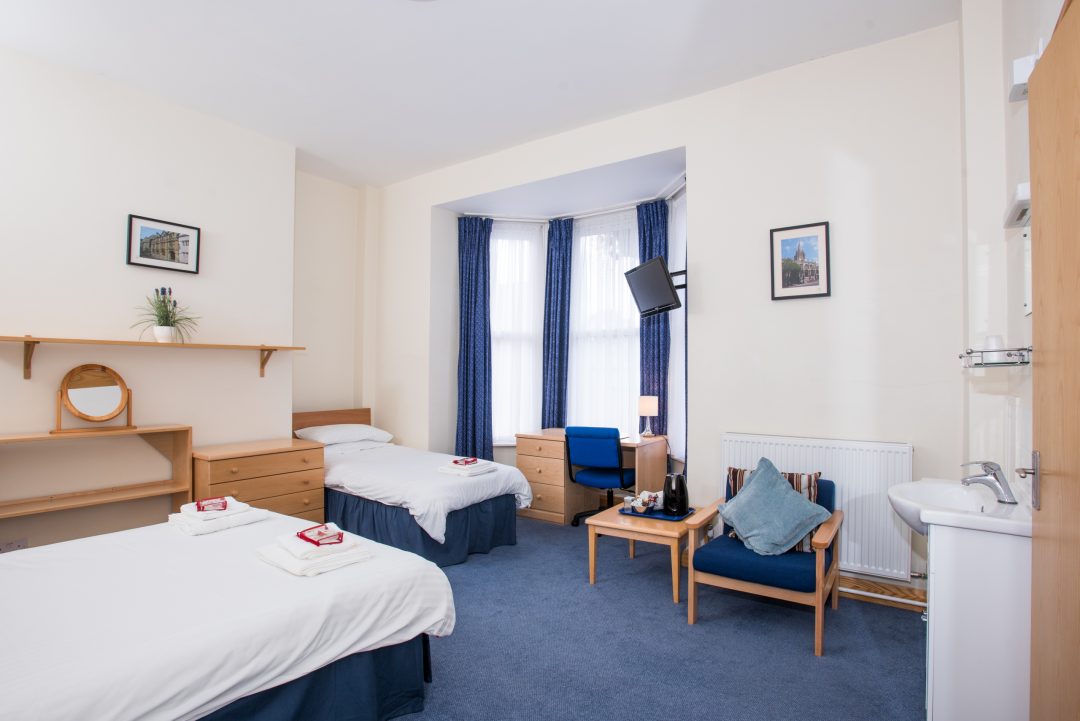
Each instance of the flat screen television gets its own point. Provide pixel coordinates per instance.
(652, 287)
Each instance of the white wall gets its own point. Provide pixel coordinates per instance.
(999, 401)
(868, 140)
(328, 308)
(79, 154)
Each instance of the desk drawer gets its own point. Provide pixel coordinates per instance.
(544, 449)
(235, 469)
(252, 489)
(293, 503)
(551, 471)
(547, 498)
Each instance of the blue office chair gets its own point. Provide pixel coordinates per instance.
(598, 454)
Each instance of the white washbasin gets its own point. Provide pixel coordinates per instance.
(937, 501)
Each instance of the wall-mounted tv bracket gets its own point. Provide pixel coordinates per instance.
(682, 273)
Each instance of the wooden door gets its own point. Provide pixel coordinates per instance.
(1054, 110)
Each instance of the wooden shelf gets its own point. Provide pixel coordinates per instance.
(97, 432)
(173, 442)
(95, 497)
(30, 344)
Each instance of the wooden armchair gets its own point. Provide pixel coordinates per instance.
(798, 576)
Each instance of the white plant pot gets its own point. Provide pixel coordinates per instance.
(165, 334)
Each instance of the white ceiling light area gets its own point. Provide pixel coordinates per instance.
(585, 191)
(376, 91)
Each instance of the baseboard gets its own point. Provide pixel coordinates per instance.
(899, 596)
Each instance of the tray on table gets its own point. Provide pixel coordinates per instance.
(656, 515)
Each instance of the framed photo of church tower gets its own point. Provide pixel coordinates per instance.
(799, 259)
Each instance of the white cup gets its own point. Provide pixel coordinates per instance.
(994, 343)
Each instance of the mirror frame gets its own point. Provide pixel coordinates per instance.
(65, 387)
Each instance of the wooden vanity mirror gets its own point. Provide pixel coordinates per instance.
(93, 393)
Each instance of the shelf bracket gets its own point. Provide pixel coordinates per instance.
(27, 356)
(264, 358)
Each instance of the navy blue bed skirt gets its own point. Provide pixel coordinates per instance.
(475, 529)
(371, 686)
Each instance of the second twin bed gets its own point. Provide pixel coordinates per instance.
(398, 496)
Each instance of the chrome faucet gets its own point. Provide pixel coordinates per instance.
(991, 477)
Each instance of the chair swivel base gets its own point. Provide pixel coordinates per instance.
(585, 514)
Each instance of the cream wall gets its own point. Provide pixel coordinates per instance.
(328, 306)
(868, 140)
(79, 154)
(999, 401)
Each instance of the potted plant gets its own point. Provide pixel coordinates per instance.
(169, 321)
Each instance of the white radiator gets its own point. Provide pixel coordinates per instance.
(873, 539)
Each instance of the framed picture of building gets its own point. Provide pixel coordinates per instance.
(160, 244)
(799, 259)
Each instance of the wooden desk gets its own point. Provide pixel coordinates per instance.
(542, 458)
(637, 528)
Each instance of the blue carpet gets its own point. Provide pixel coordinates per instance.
(535, 641)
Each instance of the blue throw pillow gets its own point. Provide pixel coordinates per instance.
(768, 514)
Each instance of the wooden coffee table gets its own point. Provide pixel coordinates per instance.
(637, 528)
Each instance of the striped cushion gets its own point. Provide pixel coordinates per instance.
(804, 483)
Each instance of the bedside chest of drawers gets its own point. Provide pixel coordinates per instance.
(283, 475)
(543, 461)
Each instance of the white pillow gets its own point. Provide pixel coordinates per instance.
(344, 433)
(342, 449)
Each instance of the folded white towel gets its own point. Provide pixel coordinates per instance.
(275, 555)
(233, 507)
(306, 551)
(473, 469)
(195, 527)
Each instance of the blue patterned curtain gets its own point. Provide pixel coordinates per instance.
(474, 353)
(557, 322)
(655, 333)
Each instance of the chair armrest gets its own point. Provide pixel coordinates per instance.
(703, 515)
(826, 532)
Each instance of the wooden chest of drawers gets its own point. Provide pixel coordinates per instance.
(284, 475)
(555, 497)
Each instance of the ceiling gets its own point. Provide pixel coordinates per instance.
(603, 187)
(374, 91)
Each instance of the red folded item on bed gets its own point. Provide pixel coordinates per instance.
(212, 504)
(320, 535)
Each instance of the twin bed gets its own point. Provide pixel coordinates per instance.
(154, 624)
(396, 495)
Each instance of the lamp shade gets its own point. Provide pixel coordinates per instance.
(648, 405)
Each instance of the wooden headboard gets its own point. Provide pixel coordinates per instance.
(329, 418)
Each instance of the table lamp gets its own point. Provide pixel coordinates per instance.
(648, 406)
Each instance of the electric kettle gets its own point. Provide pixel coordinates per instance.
(676, 498)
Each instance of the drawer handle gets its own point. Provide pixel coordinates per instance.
(304, 459)
(539, 448)
(306, 482)
(539, 496)
(307, 501)
(234, 492)
(234, 469)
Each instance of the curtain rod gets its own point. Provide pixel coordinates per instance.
(678, 189)
(589, 214)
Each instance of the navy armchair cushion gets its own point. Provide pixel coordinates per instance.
(728, 557)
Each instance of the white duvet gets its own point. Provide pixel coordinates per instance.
(153, 624)
(407, 477)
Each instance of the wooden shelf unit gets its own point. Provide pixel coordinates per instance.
(30, 344)
(173, 442)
